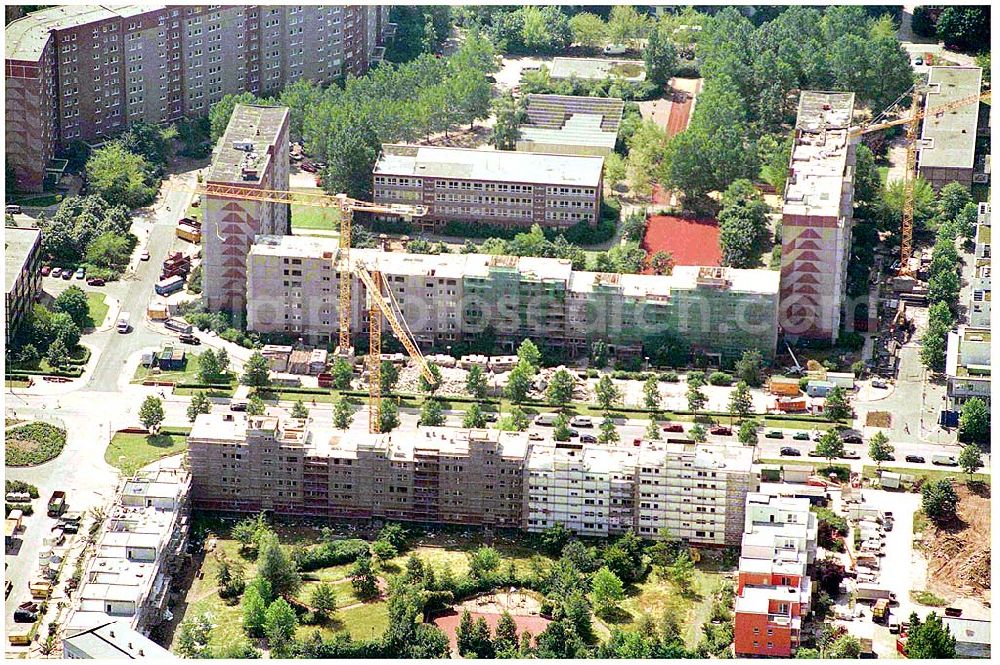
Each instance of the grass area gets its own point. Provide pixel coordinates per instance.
(920, 522)
(312, 218)
(16, 384)
(40, 201)
(130, 452)
(33, 444)
(188, 375)
(927, 598)
(211, 392)
(98, 308)
(928, 474)
(883, 173)
(194, 212)
(655, 597)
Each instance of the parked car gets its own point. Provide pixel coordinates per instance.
(240, 405)
(46, 270)
(673, 427)
(890, 458)
(774, 434)
(67, 273)
(12, 209)
(573, 433)
(588, 438)
(850, 454)
(919, 60)
(95, 281)
(144, 256)
(814, 453)
(791, 452)
(56, 272)
(852, 438)
(720, 430)
(309, 167)
(535, 436)
(801, 436)
(915, 459)
(879, 383)
(614, 49)
(581, 421)
(490, 417)
(81, 272)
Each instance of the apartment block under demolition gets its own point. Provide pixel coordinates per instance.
(947, 148)
(253, 153)
(497, 187)
(473, 477)
(774, 591)
(87, 72)
(139, 550)
(292, 284)
(816, 218)
(980, 300)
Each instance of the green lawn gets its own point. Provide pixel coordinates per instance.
(131, 452)
(211, 392)
(188, 375)
(98, 308)
(194, 212)
(929, 474)
(16, 384)
(654, 597)
(313, 218)
(40, 201)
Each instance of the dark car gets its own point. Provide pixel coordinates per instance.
(673, 427)
(588, 438)
(915, 459)
(791, 452)
(490, 417)
(67, 273)
(801, 436)
(890, 458)
(238, 406)
(720, 430)
(774, 434)
(852, 438)
(95, 281)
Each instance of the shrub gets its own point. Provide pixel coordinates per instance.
(720, 379)
(23, 507)
(669, 377)
(330, 553)
(19, 487)
(34, 443)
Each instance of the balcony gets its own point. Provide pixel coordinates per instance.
(779, 619)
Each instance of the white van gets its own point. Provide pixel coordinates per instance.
(546, 419)
(123, 322)
(614, 49)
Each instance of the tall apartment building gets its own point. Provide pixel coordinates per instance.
(139, 549)
(253, 152)
(86, 72)
(497, 187)
(293, 284)
(947, 148)
(817, 216)
(774, 591)
(477, 477)
(22, 280)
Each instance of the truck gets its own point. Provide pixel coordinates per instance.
(190, 221)
(880, 611)
(123, 322)
(179, 265)
(178, 325)
(874, 592)
(57, 503)
(169, 285)
(189, 233)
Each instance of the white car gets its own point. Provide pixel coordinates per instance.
(614, 49)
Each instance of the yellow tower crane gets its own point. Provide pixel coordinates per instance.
(379, 304)
(909, 177)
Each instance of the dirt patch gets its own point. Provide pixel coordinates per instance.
(960, 556)
(476, 137)
(522, 607)
(878, 419)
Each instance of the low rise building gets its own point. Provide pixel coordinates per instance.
(968, 366)
(474, 477)
(947, 147)
(972, 636)
(568, 125)
(22, 277)
(115, 640)
(774, 591)
(981, 289)
(139, 549)
(496, 187)
(293, 284)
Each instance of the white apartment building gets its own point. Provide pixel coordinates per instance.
(968, 365)
(981, 291)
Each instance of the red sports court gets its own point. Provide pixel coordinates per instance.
(692, 242)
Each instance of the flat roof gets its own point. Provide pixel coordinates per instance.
(26, 37)
(597, 68)
(818, 165)
(257, 125)
(572, 120)
(17, 245)
(115, 639)
(949, 140)
(489, 165)
(971, 631)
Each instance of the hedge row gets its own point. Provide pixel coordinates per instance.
(330, 553)
(210, 386)
(22, 374)
(19, 487)
(23, 507)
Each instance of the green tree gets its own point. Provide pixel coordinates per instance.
(57, 354)
(589, 30)
(944, 287)
(256, 371)
(389, 417)
(389, 377)
(64, 329)
(505, 636)
(653, 429)
(933, 343)
(363, 578)
(743, 229)
(474, 417)
(342, 412)
(515, 421)
(519, 382)
(681, 572)
(939, 500)
(528, 353)
(560, 389)
(747, 434)
(276, 566)
(929, 638)
(837, 406)
(750, 368)
(599, 354)
(740, 401)
(662, 263)
(483, 562)
(475, 382)
(150, 141)
(560, 428)
(696, 399)
(256, 406)
(120, 177)
(606, 592)
(254, 610)
(465, 634)
(652, 399)
(199, 404)
(626, 25)
(426, 385)
(151, 413)
(431, 413)
(341, 374)
(845, 646)
(73, 301)
(974, 422)
(299, 410)
(280, 623)
(879, 448)
(830, 445)
(384, 551)
(952, 198)
(509, 114)
(660, 54)
(608, 431)
(698, 433)
(607, 393)
(964, 28)
(208, 366)
(970, 459)
(193, 636)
